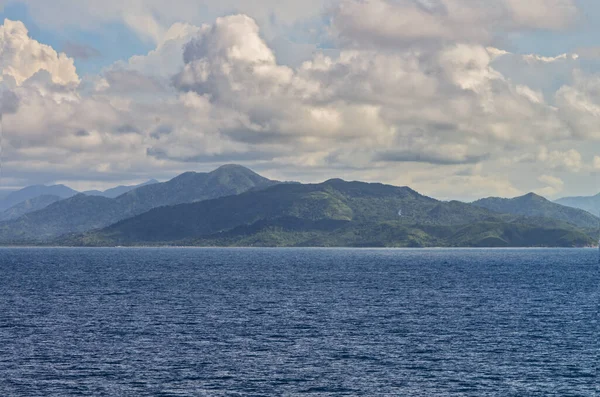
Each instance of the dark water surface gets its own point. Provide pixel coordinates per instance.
(252, 322)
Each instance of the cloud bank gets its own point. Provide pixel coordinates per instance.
(417, 93)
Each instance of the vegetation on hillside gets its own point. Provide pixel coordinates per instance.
(336, 213)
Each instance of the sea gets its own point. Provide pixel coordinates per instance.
(298, 322)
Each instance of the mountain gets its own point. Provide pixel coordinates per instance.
(234, 206)
(81, 213)
(590, 204)
(36, 203)
(31, 192)
(532, 205)
(190, 187)
(295, 232)
(76, 214)
(334, 200)
(4, 193)
(333, 213)
(118, 190)
(27, 206)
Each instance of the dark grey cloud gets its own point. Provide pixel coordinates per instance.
(82, 133)
(430, 158)
(161, 154)
(254, 137)
(50, 176)
(9, 102)
(80, 51)
(131, 81)
(161, 131)
(127, 129)
(414, 23)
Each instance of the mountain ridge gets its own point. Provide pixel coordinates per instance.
(81, 213)
(334, 213)
(116, 191)
(590, 204)
(533, 205)
(233, 205)
(31, 192)
(27, 206)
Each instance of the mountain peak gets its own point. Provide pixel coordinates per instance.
(334, 181)
(230, 167)
(234, 174)
(534, 205)
(590, 204)
(30, 192)
(533, 196)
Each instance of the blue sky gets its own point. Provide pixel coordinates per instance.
(584, 34)
(456, 98)
(104, 36)
(102, 39)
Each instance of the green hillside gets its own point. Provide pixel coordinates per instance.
(532, 205)
(27, 206)
(83, 213)
(590, 204)
(334, 213)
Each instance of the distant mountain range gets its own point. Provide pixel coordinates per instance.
(35, 198)
(117, 191)
(82, 213)
(234, 206)
(29, 205)
(533, 205)
(590, 204)
(339, 213)
(32, 192)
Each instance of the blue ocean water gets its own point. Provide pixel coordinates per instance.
(271, 322)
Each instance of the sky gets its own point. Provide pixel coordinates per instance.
(458, 99)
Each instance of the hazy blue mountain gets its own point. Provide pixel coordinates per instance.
(4, 193)
(27, 206)
(118, 190)
(31, 192)
(76, 214)
(233, 205)
(590, 204)
(537, 206)
(82, 213)
(34, 201)
(334, 213)
(189, 187)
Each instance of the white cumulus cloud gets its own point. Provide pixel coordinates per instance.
(22, 57)
(443, 118)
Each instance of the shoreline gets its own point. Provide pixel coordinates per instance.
(285, 247)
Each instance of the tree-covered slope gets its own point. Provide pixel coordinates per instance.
(296, 232)
(193, 186)
(532, 205)
(235, 206)
(118, 190)
(334, 213)
(32, 192)
(74, 215)
(27, 206)
(590, 204)
(83, 213)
